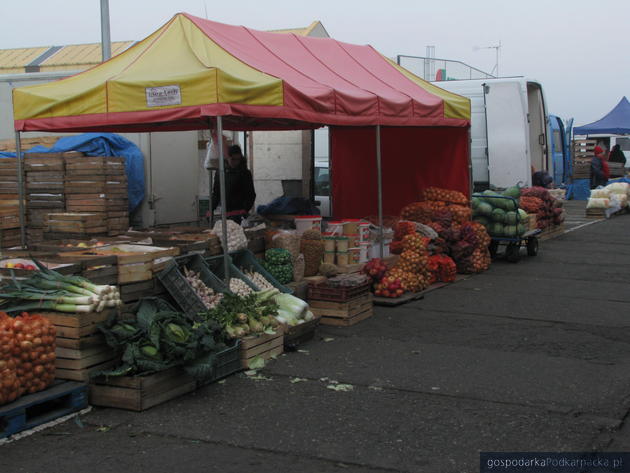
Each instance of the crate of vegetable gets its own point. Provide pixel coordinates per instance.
(239, 283)
(191, 283)
(165, 353)
(255, 272)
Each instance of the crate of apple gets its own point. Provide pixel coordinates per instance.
(389, 287)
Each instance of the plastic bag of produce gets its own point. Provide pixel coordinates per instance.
(235, 235)
(617, 188)
(9, 384)
(313, 251)
(288, 240)
(598, 203)
(600, 193)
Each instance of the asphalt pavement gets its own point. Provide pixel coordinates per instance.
(533, 356)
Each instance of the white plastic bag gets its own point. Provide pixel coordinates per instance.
(618, 188)
(600, 193)
(211, 161)
(598, 203)
(235, 235)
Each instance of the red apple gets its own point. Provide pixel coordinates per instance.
(19, 266)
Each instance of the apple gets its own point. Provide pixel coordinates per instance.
(30, 267)
(10, 265)
(18, 266)
(82, 245)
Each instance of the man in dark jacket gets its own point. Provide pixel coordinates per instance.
(239, 186)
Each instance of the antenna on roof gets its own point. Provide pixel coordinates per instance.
(205, 7)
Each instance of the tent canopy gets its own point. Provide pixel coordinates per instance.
(616, 122)
(192, 69)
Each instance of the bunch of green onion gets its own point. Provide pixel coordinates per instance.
(49, 290)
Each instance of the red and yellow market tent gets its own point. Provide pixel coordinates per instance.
(194, 73)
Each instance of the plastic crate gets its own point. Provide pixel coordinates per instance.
(215, 264)
(245, 259)
(174, 281)
(323, 292)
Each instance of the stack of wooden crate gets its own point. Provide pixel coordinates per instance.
(74, 225)
(44, 174)
(81, 348)
(98, 185)
(583, 152)
(9, 203)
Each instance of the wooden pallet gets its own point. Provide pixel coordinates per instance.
(60, 399)
(138, 393)
(42, 162)
(264, 346)
(551, 232)
(343, 313)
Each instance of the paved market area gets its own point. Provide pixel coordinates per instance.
(533, 356)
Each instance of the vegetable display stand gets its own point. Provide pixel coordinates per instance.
(32, 410)
(245, 260)
(343, 314)
(180, 289)
(228, 362)
(300, 334)
(263, 346)
(81, 349)
(138, 393)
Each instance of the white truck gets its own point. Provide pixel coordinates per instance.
(509, 132)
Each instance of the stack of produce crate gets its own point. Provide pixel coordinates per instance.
(44, 174)
(9, 203)
(98, 185)
(583, 152)
(74, 225)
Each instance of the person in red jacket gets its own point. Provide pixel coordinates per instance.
(599, 168)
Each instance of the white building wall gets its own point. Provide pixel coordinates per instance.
(276, 156)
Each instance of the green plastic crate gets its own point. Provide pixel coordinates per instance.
(215, 263)
(245, 259)
(174, 281)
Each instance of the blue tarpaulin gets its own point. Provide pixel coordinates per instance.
(104, 144)
(616, 122)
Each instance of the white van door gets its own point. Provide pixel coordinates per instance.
(506, 121)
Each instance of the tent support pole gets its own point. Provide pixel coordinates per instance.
(20, 176)
(226, 258)
(380, 189)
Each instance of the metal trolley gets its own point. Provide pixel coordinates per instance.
(513, 245)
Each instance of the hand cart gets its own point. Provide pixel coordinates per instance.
(513, 244)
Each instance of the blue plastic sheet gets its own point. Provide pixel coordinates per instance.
(579, 190)
(104, 144)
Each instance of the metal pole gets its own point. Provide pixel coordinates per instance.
(226, 258)
(20, 170)
(106, 45)
(380, 189)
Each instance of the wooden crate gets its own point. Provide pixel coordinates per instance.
(551, 232)
(81, 350)
(95, 166)
(264, 346)
(9, 217)
(595, 213)
(138, 393)
(88, 223)
(10, 237)
(343, 313)
(44, 162)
